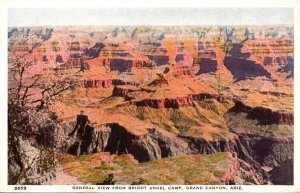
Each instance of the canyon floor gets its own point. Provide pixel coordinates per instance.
(166, 105)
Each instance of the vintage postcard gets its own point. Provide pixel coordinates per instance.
(158, 98)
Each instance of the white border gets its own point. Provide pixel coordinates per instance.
(161, 16)
(5, 4)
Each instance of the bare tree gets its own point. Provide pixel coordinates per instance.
(30, 92)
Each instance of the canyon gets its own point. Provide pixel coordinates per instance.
(216, 107)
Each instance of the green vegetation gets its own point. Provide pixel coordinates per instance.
(182, 169)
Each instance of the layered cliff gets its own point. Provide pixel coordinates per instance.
(264, 115)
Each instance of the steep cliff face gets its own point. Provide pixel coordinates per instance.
(256, 150)
(261, 144)
(123, 91)
(284, 174)
(242, 69)
(123, 82)
(267, 116)
(92, 141)
(264, 115)
(265, 151)
(116, 139)
(159, 59)
(202, 146)
(288, 68)
(248, 175)
(122, 142)
(180, 70)
(123, 65)
(167, 103)
(279, 60)
(155, 145)
(106, 83)
(207, 65)
(94, 51)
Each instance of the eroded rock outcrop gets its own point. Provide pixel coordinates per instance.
(123, 91)
(156, 144)
(107, 83)
(92, 141)
(123, 65)
(116, 139)
(264, 115)
(266, 151)
(207, 65)
(267, 116)
(159, 59)
(167, 103)
(122, 142)
(180, 101)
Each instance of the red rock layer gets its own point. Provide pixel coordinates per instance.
(97, 83)
(105, 83)
(166, 102)
(123, 64)
(181, 70)
(122, 91)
